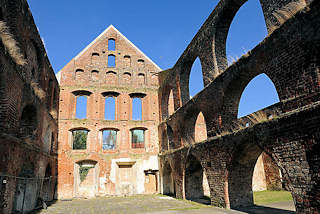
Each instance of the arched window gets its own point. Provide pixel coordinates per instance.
(259, 93)
(137, 138)
(28, 121)
(95, 75)
(81, 107)
(94, 57)
(140, 63)
(171, 103)
(127, 61)
(200, 132)
(79, 139)
(78, 74)
(141, 79)
(109, 139)
(126, 78)
(111, 60)
(195, 79)
(111, 77)
(111, 45)
(248, 23)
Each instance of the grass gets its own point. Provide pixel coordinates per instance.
(266, 197)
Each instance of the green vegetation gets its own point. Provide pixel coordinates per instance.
(79, 139)
(83, 172)
(265, 197)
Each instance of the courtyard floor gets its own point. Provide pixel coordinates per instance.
(152, 204)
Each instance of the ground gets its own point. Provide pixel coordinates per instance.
(155, 204)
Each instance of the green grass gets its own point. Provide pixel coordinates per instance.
(265, 197)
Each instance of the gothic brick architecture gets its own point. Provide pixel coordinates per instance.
(113, 102)
(288, 131)
(29, 95)
(115, 88)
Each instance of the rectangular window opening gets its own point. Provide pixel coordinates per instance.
(81, 107)
(137, 138)
(79, 139)
(109, 141)
(110, 108)
(136, 109)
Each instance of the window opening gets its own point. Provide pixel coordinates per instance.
(137, 138)
(79, 139)
(81, 107)
(136, 108)
(111, 60)
(109, 108)
(109, 141)
(111, 45)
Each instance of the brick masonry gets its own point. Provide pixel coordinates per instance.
(29, 95)
(286, 132)
(134, 74)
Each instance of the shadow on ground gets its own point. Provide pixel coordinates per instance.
(256, 209)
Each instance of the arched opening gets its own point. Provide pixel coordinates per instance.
(141, 79)
(140, 63)
(258, 94)
(86, 178)
(127, 61)
(195, 182)
(171, 103)
(95, 75)
(25, 197)
(126, 78)
(47, 185)
(79, 74)
(28, 121)
(247, 29)
(200, 132)
(111, 44)
(111, 60)
(168, 185)
(81, 107)
(94, 57)
(196, 78)
(111, 77)
(110, 108)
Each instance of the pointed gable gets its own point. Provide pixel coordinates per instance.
(97, 54)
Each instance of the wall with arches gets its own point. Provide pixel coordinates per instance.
(289, 57)
(29, 97)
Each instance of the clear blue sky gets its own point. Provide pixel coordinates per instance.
(161, 29)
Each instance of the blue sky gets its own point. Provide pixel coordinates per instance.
(161, 29)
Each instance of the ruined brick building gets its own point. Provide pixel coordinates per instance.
(29, 95)
(287, 131)
(116, 87)
(108, 147)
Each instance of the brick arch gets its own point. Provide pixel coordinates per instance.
(184, 77)
(234, 90)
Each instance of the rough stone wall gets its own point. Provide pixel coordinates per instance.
(29, 95)
(286, 131)
(133, 75)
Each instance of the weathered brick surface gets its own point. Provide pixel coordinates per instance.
(28, 106)
(287, 131)
(129, 76)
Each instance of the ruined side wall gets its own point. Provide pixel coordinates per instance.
(29, 95)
